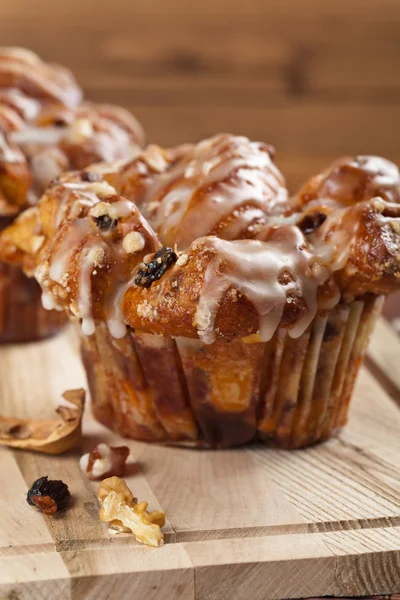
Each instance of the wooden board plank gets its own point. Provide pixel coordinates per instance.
(385, 355)
(368, 561)
(19, 527)
(197, 512)
(276, 567)
(38, 576)
(134, 572)
(264, 523)
(41, 373)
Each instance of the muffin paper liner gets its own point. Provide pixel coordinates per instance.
(289, 393)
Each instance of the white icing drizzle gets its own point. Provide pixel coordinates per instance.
(38, 78)
(385, 173)
(172, 208)
(9, 154)
(335, 238)
(59, 262)
(115, 318)
(97, 243)
(46, 136)
(241, 172)
(113, 144)
(86, 195)
(349, 181)
(214, 288)
(28, 107)
(101, 188)
(47, 165)
(86, 266)
(253, 268)
(48, 301)
(122, 208)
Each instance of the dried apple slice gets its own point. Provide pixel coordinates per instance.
(51, 436)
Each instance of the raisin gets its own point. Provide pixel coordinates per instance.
(90, 176)
(311, 222)
(105, 222)
(48, 495)
(149, 272)
(60, 122)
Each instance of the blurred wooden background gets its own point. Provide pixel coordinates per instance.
(315, 78)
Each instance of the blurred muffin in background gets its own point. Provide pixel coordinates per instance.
(46, 129)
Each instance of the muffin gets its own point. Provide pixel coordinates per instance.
(215, 309)
(45, 129)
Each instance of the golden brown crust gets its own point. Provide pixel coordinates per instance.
(170, 305)
(226, 186)
(366, 238)
(23, 69)
(355, 249)
(351, 180)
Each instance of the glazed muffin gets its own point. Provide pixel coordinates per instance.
(45, 129)
(214, 309)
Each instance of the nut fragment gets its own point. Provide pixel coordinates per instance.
(153, 156)
(90, 176)
(52, 436)
(182, 260)
(96, 256)
(121, 509)
(79, 131)
(104, 460)
(49, 495)
(133, 242)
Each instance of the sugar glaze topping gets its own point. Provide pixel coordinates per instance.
(88, 248)
(277, 268)
(257, 270)
(212, 179)
(45, 129)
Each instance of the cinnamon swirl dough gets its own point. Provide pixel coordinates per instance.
(196, 258)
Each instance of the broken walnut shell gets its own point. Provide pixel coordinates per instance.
(51, 436)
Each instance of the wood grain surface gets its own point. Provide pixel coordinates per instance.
(245, 523)
(316, 79)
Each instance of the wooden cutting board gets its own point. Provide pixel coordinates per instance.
(251, 523)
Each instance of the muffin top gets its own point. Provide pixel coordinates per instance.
(203, 241)
(46, 129)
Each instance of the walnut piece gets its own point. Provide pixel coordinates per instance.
(133, 242)
(51, 436)
(104, 461)
(122, 511)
